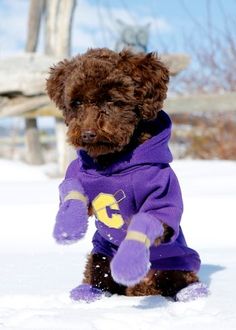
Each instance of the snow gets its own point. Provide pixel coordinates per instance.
(37, 274)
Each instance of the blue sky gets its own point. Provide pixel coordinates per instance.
(95, 22)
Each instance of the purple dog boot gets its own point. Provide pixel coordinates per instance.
(131, 262)
(86, 293)
(192, 292)
(72, 218)
(71, 222)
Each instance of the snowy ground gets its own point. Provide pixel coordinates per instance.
(36, 274)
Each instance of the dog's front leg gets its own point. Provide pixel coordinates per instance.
(131, 262)
(97, 280)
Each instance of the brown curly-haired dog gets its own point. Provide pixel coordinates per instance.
(92, 89)
(111, 103)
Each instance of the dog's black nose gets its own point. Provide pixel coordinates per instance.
(89, 136)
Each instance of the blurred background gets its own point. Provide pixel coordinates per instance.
(196, 39)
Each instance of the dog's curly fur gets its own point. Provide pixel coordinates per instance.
(114, 94)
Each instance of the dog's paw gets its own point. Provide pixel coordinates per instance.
(131, 263)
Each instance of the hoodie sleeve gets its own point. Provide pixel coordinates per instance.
(73, 169)
(157, 192)
(71, 182)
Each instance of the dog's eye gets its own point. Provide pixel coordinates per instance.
(119, 104)
(76, 103)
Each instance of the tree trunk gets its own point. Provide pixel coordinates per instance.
(59, 14)
(64, 24)
(51, 26)
(33, 147)
(65, 152)
(35, 14)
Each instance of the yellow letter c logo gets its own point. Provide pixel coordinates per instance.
(107, 210)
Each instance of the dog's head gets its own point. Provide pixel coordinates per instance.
(104, 95)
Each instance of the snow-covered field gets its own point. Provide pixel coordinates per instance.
(36, 274)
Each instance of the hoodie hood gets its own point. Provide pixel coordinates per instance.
(152, 151)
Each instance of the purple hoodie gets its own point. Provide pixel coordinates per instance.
(140, 181)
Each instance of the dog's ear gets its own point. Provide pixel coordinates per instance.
(55, 83)
(151, 79)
